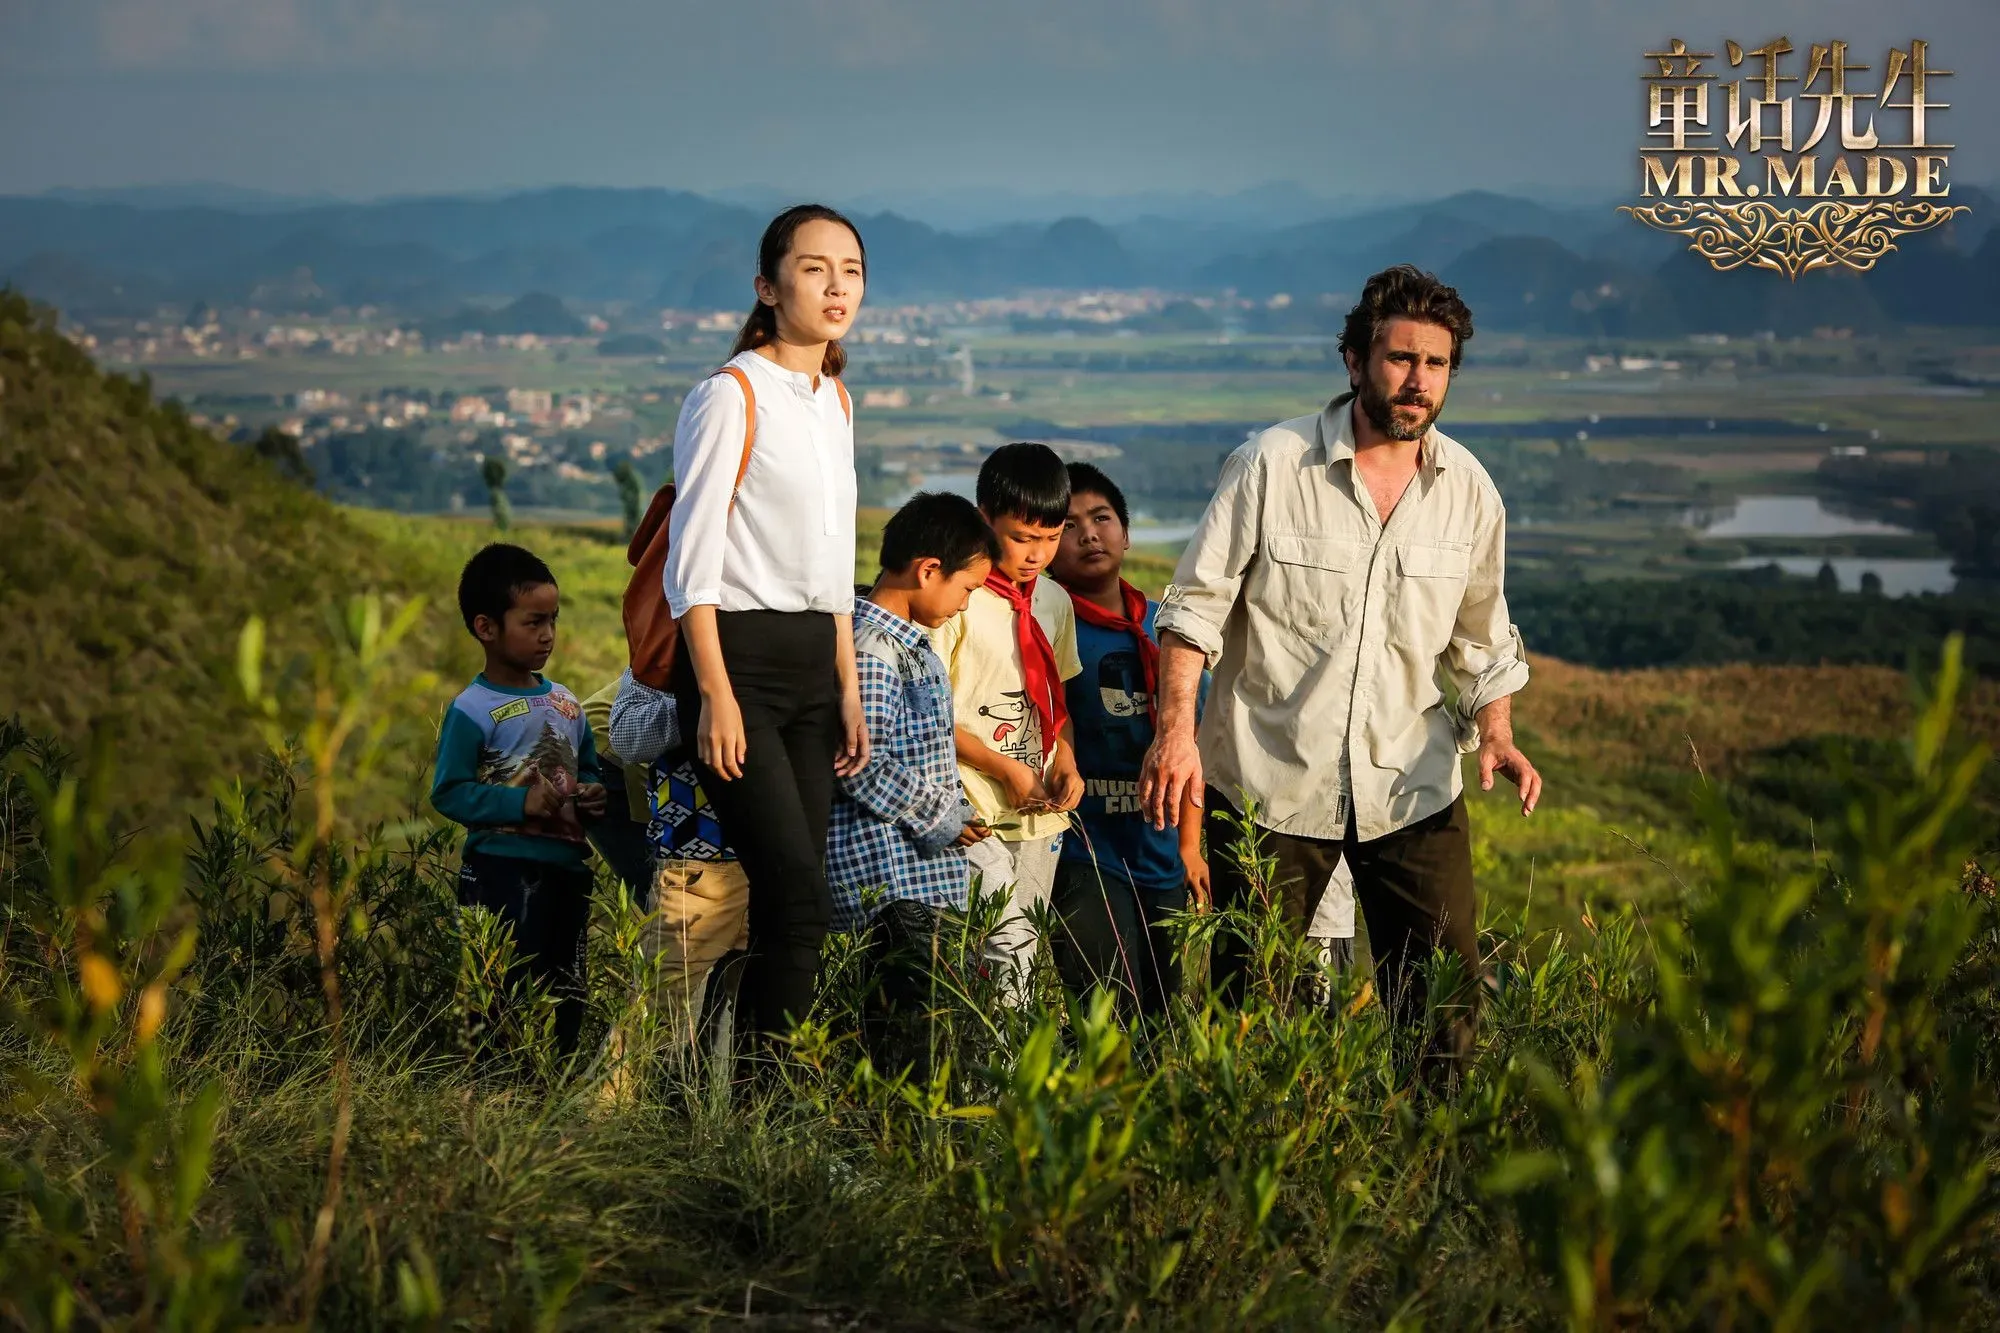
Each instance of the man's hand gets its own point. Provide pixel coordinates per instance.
(592, 800)
(1499, 754)
(544, 801)
(1170, 777)
(971, 833)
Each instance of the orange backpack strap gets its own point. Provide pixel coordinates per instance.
(749, 425)
(846, 403)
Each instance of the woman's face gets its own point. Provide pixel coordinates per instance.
(819, 284)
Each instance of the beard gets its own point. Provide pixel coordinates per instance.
(1380, 409)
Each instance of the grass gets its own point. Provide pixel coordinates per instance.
(1278, 1168)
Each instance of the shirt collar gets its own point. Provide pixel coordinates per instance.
(778, 372)
(906, 632)
(1336, 432)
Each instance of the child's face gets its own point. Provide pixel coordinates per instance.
(1093, 544)
(1026, 547)
(527, 634)
(939, 596)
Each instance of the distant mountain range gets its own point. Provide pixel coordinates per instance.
(1524, 265)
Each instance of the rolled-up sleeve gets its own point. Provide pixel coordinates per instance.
(1485, 660)
(1196, 605)
(645, 722)
(708, 448)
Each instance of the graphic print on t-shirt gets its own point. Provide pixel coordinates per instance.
(524, 737)
(1016, 728)
(1121, 688)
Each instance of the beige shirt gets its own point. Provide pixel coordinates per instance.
(1327, 630)
(989, 694)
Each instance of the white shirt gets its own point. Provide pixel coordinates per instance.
(788, 544)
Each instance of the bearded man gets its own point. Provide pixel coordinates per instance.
(1348, 561)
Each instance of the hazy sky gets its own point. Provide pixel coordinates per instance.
(852, 97)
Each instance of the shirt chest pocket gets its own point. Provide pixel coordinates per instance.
(927, 697)
(1433, 587)
(1312, 578)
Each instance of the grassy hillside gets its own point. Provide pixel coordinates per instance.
(136, 547)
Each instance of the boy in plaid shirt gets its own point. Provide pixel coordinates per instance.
(901, 824)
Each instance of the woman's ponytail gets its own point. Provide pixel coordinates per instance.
(758, 329)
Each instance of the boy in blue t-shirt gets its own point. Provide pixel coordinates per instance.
(516, 764)
(1118, 881)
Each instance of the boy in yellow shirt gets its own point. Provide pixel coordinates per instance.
(1008, 654)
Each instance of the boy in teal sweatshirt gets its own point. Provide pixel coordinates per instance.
(517, 766)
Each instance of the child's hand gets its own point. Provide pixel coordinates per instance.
(1024, 786)
(971, 833)
(592, 800)
(1068, 793)
(1201, 891)
(544, 801)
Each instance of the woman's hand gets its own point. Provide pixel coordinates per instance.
(721, 743)
(853, 755)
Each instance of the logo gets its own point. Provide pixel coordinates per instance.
(565, 705)
(1790, 171)
(517, 708)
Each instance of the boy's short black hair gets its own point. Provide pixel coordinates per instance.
(936, 525)
(493, 577)
(1025, 481)
(1088, 477)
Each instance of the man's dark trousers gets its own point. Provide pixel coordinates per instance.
(1415, 891)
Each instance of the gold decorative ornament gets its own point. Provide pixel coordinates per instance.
(1759, 234)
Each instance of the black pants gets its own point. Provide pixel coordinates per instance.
(1415, 890)
(909, 942)
(782, 671)
(547, 905)
(1114, 934)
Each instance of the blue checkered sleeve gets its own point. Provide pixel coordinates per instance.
(895, 823)
(886, 787)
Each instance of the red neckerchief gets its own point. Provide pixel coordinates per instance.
(1038, 658)
(1133, 622)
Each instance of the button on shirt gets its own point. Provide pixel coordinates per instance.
(1327, 629)
(787, 544)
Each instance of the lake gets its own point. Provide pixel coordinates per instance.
(1900, 578)
(1785, 516)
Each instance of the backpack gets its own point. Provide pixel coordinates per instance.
(652, 635)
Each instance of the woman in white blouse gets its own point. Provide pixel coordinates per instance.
(761, 577)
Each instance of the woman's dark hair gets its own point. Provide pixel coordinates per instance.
(1089, 479)
(762, 325)
(1025, 481)
(494, 577)
(936, 525)
(1409, 292)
